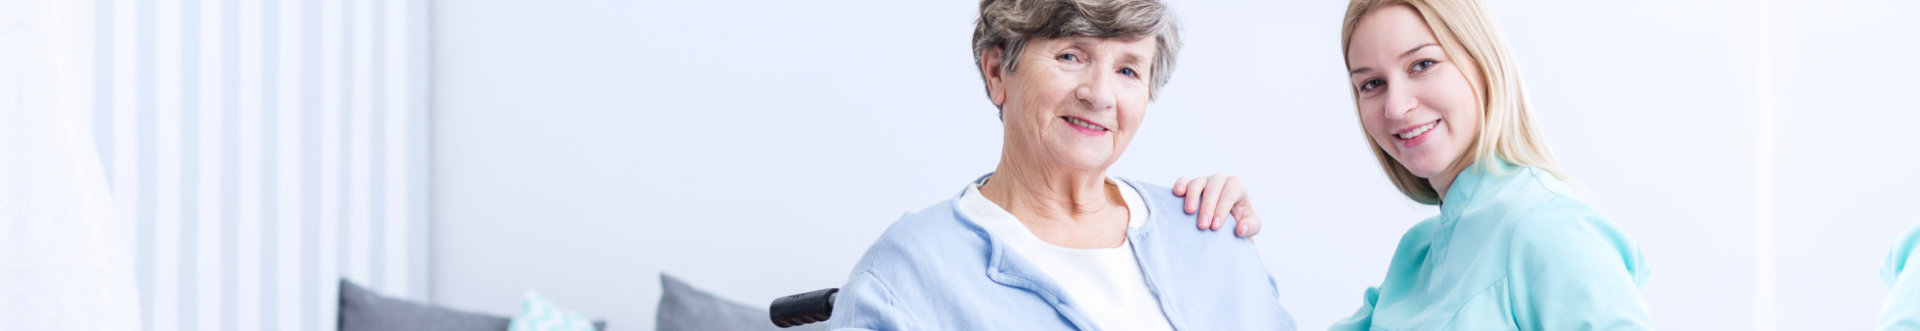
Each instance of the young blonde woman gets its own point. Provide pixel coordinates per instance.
(1441, 104)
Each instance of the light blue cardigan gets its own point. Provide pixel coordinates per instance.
(937, 270)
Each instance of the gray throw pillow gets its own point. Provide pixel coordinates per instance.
(363, 310)
(684, 308)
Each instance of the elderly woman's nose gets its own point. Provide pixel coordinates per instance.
(1096, 93)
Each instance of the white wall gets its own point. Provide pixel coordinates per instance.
(582, 147)
(1846, 156)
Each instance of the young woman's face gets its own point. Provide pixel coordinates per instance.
(1415, 103)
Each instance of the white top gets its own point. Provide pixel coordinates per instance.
(1107, 283)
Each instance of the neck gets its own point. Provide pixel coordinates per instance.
(1054, 195)
(1073, 209)
(1444, 180)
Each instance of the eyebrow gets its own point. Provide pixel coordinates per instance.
(1126, 57)
(1130, 58)
(1409, 52)
(1092, 42)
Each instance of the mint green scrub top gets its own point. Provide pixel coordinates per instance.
(1512, 249)
(1902, 309)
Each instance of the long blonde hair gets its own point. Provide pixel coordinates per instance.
(1466, 31)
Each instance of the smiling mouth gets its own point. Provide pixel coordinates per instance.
(1083, 124)
(1415, 132)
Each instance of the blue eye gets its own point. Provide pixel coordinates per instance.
(1068, 57)
(1129, 72)
(1422, 65)
(1371, 84)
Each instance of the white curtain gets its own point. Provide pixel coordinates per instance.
(65, 262)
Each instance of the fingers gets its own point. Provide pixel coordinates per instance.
(1180, 190)
(1210, 200)
(1249, 221)
(1195, 189)
(1232, 195)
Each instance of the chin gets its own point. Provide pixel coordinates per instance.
(1088, 164)
(1087, 160)
(1424, 168)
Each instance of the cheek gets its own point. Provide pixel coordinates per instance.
(1033, 103)
(1462, 109)
(1031, 87)
(1131, 114)
(1371, 120)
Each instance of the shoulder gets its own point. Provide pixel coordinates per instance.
(1169, 227)
(1543, 221)
(1167, 211)
(1900, 256)
(1535, 206)
(1565, 227)
(932, 242)
(1204, 269)
(1159, 199)
(1903, 288)
(1529, 191)
(1168, 216)
(1566, 233)
(940, 220)
(920, 248)
(1541, 210)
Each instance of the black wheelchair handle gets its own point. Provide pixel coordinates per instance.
(802, 309)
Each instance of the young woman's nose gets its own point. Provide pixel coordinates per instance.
(1399, 103)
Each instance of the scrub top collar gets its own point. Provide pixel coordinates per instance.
(1471, 182)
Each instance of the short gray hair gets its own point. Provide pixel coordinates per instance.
(1009, 24)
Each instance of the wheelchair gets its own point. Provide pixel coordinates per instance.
(802, 309)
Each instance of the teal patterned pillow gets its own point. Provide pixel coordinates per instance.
(543, 315)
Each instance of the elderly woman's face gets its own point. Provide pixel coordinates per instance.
(1074, 102)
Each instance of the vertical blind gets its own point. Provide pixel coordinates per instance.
(261, 150)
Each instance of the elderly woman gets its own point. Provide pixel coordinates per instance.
(1047, 241)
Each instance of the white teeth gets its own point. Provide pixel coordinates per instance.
(1084, 124)
(1417, 131)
